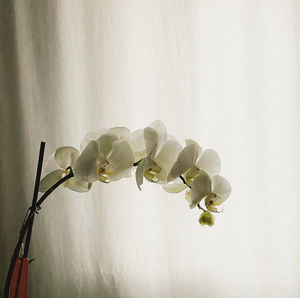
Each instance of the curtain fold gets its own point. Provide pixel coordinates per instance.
(225, 73)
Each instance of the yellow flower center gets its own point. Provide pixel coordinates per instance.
(103, 174)
(67, 172)
(151, 173)
(191, 174)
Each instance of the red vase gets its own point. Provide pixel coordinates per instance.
(20, 279)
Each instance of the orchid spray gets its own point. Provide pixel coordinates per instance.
(108, 155)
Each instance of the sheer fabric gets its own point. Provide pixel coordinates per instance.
(225, 73)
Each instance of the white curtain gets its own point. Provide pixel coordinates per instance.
(225, 73)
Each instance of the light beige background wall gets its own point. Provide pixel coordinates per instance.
(223, 72)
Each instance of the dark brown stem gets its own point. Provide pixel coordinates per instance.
(183, 180)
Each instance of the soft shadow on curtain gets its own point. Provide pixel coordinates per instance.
(225, 73)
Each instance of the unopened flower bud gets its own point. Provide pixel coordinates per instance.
(206, 218)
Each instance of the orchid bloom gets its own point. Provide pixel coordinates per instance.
(191, 160)
(197, 168)
(111, 154)
(158, 151)
(64, 158)
(108, 157)
(215, 190)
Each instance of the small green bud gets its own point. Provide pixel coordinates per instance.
(206, 218)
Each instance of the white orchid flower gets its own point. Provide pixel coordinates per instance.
(64, 158)
(159, 153)
(191, 160)
(108, 158)
(215, 190)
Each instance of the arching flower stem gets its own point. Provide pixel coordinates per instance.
(138, 162)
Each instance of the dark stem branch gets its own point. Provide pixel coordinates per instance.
(135, 164)
(183, 180)
(34, 199)
(25, 228)
(198, 205)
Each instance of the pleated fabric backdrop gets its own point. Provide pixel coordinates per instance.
(225, 73)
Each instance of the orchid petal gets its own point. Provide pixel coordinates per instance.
(159, 126)
(221, 188)
(50, 179)
(120, 132)
(92, 136)
(210, 162)
(66, 156)
(106, 142)
(151, 137)
(201, 187)
(120, 160)
(85, 168)
(137, 143)
(139, 173)
(186, 158)
(166, 158)
(170, 137)
(50, 165)
(198, 150)
(77, 185)
(175, 186)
